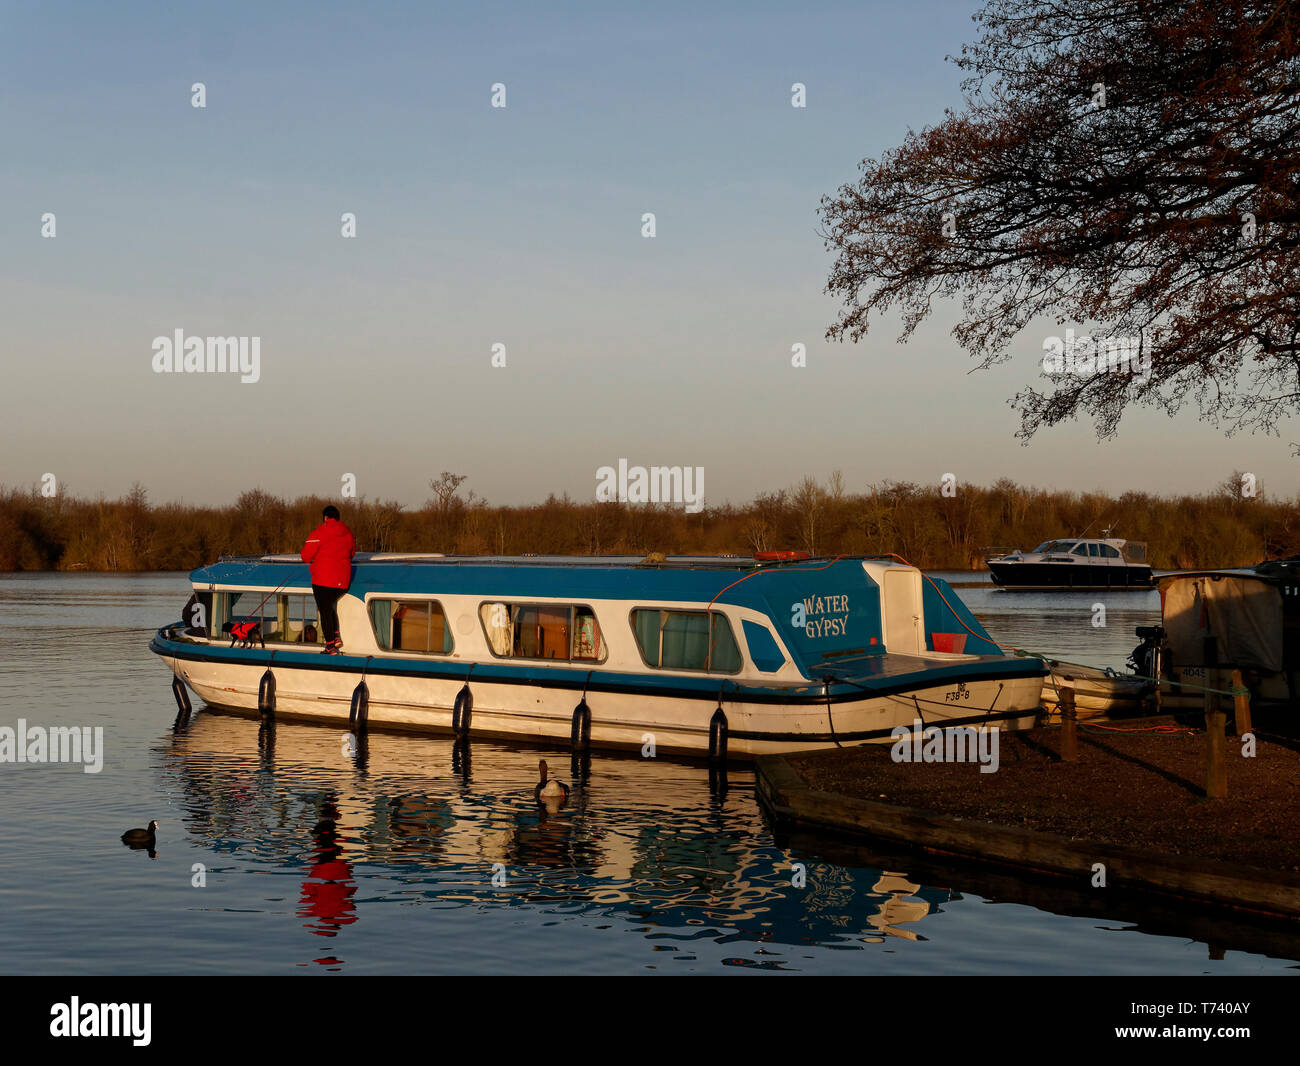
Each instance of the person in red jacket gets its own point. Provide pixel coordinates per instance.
(328, 552)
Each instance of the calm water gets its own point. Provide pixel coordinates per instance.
(649, 869)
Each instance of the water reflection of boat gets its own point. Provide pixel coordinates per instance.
(718, 656)
(645, 841)
(1139, 912)
(900, 907)
(328, 888)
(418, 824)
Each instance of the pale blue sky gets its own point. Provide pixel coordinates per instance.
(477, 226)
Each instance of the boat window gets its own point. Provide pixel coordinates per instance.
(686, 640)
(542, 631)
(763, 648)
(225, 608)
(1094, 550)
(1107, 552)
(1054, 546)
(291, 619)
(286, 618)
(411, 625)
(586, 635)
(1082, 549)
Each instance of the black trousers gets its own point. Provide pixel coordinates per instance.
(326, 604)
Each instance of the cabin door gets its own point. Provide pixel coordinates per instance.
(902, 603)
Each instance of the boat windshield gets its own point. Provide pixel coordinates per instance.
(1054, 546)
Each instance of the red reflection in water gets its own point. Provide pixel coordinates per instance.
(327, 893)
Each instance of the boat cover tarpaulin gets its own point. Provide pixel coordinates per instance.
(1243, 613)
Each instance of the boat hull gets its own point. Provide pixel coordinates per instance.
(1096, 693)
(1040, 576)
(677, 722)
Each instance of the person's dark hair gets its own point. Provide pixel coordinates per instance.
(331, 511)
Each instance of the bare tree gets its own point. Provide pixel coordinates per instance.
(809, 500)
(379, 520)
(1133, 167)
(445, 487)
(1239, 487)
(758, 534)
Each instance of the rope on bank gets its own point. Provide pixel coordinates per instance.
(1169, 730)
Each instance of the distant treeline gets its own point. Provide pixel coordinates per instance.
(920, 523)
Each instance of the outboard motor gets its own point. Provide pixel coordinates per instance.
(1146, 657)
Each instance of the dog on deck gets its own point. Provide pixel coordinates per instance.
(244, 633)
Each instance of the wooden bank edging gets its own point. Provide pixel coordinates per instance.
(1253, 891)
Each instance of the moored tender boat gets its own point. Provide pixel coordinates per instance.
(1074, 563)
(700, 655)
(1097, 693)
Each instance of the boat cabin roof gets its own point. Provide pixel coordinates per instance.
(739, 580)
(1271, 574)
(1066, 543)
(690, 562)
(822, 606)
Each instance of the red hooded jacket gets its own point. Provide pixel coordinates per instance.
(328, 551)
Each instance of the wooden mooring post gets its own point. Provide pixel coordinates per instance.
(1241, 703)
(1069, 725)
(1216, 744)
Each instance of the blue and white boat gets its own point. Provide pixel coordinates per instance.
(719, 655)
